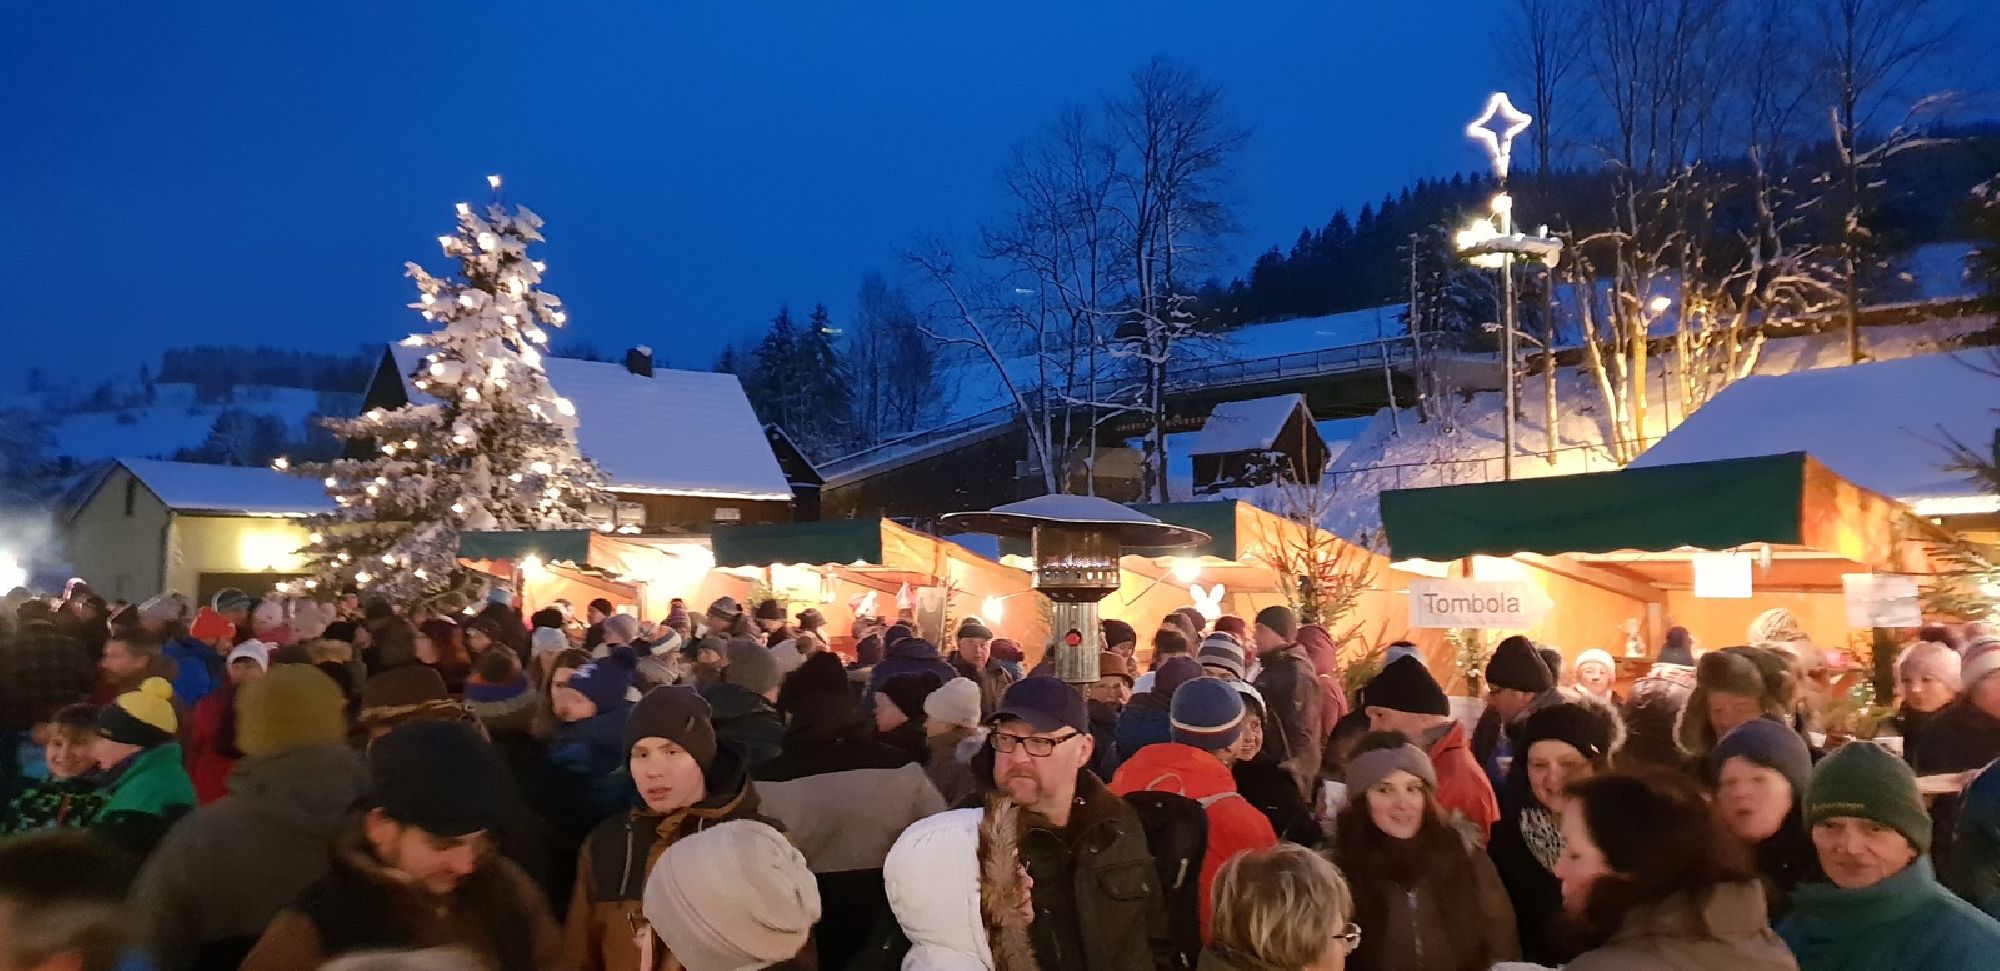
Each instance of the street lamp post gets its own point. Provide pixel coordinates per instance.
(1493, 242)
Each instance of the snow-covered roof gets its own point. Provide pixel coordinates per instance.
(681, 433)
(196, 488)
(1242, 426)
(1884, 426)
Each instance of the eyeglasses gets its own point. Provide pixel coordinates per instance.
(1037, 746)
(1349, 937)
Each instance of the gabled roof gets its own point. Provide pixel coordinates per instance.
(191, 487)
(1243, 426)
(1883, 426)
(680, 433)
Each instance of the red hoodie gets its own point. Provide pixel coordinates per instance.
(1462, 784)
(1233, 824)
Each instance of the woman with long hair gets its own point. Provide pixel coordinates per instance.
(1426, 896)
(1652, 879)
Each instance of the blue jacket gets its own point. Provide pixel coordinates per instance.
(1143, 722)
(588, 759)
(195, 669)
(1909, 921)
(911, 655)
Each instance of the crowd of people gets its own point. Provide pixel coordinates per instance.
(279, 783)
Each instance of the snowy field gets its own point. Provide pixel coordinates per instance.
(176, 421)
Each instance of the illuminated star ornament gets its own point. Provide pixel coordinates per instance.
(1495, 129)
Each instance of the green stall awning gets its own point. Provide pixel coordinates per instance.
(1787, 499)
(553, 546)
(831, 541)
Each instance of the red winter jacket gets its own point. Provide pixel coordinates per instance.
(1320, 650)
(206, 765)
(1462, 784)
(1233, 824)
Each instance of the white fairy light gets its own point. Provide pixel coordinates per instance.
(364, 577)
(458, 508)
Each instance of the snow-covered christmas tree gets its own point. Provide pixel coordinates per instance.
(485, 444)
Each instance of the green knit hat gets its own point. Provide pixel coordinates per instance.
(1867, 781)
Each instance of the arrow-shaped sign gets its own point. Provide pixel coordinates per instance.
(1477, 604)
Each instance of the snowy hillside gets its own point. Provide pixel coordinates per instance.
(176, 420)
(1403, 453)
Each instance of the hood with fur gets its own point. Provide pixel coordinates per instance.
(1754, 672)
(953, 880)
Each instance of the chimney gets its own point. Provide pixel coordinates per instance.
(639, 361)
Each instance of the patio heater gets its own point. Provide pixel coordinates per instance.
(1076, 543)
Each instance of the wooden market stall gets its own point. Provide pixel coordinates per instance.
(637, 574)
(884, 569)
(1620, 554)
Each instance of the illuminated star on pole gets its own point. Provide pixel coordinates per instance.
(1495, 129)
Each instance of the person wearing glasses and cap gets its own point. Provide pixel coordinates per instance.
(1097, 897)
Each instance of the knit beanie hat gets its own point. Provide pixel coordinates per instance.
(1866, 781)
(293, 706)
(1178, 670)
(868, 650)
(1207, 714)
(252, 649)
(1117, 632)
(897, 634)
(1771, 744)
(736, 895)
(1930, 659)
(751, 665)
(546, 640)
(1222, 651)
(1280, 620)
(1234, 626)
(1596, 655)
(1678, 648)
(677, 615)
(500, 595)
(1516, 665)
(770, 610)
(974, 628)
(165, 608)
(678, 714)
(402, 687)
(1406, 685)
(624, 627)
(1007, 649)
(144, 717)
(209, 625)
(1978, 666)
(1590, 729)
(607, 680)
(441, 777)
(1776, 626)
(228, 599)
(1367, 770)
(908, 691)
(956, 703)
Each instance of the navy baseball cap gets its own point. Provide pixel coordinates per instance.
(1045, 703)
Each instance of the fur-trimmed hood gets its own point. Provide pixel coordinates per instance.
(1754, 672)
(954, 883)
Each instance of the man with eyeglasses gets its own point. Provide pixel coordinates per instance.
(1097, 897)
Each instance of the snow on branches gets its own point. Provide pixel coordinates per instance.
(486, 444)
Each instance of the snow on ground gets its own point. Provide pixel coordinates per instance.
(175, 421)
(1399, 452)
(1934, 272)
(1313, 333)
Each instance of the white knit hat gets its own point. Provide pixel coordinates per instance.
(736, 895)
(956, 703)
(1596, 655)
(546, 640)
(1978, 666)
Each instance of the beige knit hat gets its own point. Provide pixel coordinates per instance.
(737, 895)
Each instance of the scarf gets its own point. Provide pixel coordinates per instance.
(1543, 834)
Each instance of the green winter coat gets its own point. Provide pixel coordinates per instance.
(1908, 922)
(147, 795)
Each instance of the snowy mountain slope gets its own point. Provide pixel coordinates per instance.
(175, 421)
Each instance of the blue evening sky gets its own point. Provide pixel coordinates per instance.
(257, 172)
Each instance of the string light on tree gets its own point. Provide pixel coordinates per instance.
(485, 443)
